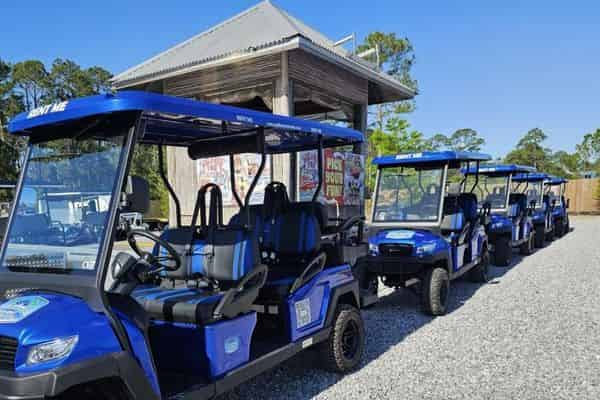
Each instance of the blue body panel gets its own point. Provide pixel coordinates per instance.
(430, 157)
(309, 304)
(64, 316)
(417, 238)
(141, 351)
(292, 134)
(427, 244)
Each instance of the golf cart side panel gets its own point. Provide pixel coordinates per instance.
(308, 306)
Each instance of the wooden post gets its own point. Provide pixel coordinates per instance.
(283, 165)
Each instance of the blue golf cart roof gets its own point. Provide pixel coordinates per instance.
(428, 158)
(499, 169)
(535, 177)
(556, 180)
(181, 122)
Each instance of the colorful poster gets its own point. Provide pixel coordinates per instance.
(308, 174)
(354, 179)
(333, 182)
(216, 170)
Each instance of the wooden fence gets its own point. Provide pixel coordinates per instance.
(583, 196)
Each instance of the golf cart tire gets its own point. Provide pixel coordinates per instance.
(550, 235)
(481, 272)
(331, 351)
(435, 280)
(502, 252)
(540, 239)
(528, 247)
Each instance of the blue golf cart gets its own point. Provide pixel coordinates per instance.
(532, 185)
(555, 190)
(425, 230)
(510, 224)
(192, 313)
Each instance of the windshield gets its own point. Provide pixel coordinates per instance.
(533, 190)
(408, 195)
(490, 189)
(62, 208)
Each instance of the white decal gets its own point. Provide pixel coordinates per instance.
(400, 235)
(19, 308)
(48, 109)
(303, 316)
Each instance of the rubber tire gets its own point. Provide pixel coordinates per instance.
(481, 272)
(330, 351)
(567, 227)
(559, 228)
(527, 247)
(431, 294)
(540, 237)
(550, 235)
(502, 252)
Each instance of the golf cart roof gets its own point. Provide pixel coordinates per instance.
(556, 180)
(535, 177)
(430, 158)
(498, 169)
(183, 122)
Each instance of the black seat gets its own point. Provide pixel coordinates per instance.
(225, 258)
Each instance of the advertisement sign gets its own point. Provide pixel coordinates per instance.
(216, 170)
(343, 180)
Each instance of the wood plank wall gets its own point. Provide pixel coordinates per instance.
(582, 194)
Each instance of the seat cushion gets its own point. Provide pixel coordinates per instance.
(184, 305)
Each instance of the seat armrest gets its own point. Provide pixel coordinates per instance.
(236, 300)
(313, 269)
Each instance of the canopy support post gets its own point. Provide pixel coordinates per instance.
(165, 180)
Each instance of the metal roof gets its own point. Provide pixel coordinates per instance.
(499, 169)
(430, 157)
(535, 177)
(182, 122)
(254, 32)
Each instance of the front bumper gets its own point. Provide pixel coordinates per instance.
(53, 383)
(408, 266)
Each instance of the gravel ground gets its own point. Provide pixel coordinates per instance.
(531, 333)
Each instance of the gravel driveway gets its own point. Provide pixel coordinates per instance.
(532, 333)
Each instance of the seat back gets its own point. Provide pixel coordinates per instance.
(468, 204)
(520, 201)
(453, 219)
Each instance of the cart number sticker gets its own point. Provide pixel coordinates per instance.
(232, 344)
(400, 235)
(19, 308)
(303, 316)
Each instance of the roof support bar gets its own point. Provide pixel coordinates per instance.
(263, 161)
(476, 176)
(163, 175)
(320, 168)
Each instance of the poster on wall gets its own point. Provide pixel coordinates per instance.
(354, 179)
(216, 170)
(343, 180)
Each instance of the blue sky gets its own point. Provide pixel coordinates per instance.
(500, 67)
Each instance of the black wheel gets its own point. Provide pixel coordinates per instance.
(527, 247)
(342, 351)
(539, 237)
(559, 228)
(567, 227)
(550, 235)
(435, 291)
(481, 273)
(502, 252)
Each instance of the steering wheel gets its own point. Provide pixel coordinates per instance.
(156, 261)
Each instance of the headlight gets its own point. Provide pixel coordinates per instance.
(425, 249)
(53, 350)
(373, 249)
